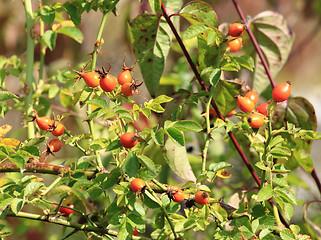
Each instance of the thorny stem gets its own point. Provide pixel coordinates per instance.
(255, 43)
(158, 184)
(201, 82)
(29, 66)
(62, 222)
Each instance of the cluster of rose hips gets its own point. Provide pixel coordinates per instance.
(235, 41)
(108, 82)
(56, 128)
(280, 93)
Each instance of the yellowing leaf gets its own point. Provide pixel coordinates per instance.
(223, 173)
(3, 181)
(4, 129)
(9, 142)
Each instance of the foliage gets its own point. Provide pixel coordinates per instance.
(190, 146)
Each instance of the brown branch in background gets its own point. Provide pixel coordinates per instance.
(308, 39)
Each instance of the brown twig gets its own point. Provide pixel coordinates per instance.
(38, 167)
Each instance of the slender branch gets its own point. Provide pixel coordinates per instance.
(255, 43)
(316, 179)
(100, 32)
(62, 222)
(208, 127)
(29, 66)
(201, 82)
(45, 168)
(42, 49)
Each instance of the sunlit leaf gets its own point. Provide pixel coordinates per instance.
(176, 157)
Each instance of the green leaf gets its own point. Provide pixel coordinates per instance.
(176, 136)
(147, 162)
(197, 12)
(286, 234)
(32, 188)
(158, 136)
(120, 189)
(72, 32)
(176, 157)
(155, 6)
(224, 95)
(18, 161)
(288, 211)
(131, 165)
(280, 151)
(265, 193)
(72, 10)
(47, 14)
(49, 39)
(213, 73)
(98, 102)
(214, 167)
(275, 141)
(286, 194)
(151, 44)
(5, 95)
(17, 205)
(187, 126)
(162, 99)
(125, 231)
(267, 222)
(210, 55)
(275, 40)
(113, 178)
(245, 61)
(113, 145)
(53, 91)
(160, 220)
(280, 180)
(195, 30)
(95, 193)
(150, 201)
(301, 112)
(5, 201)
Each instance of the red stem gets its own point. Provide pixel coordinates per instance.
(201, 82)
(255, 43)
(316, 179)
